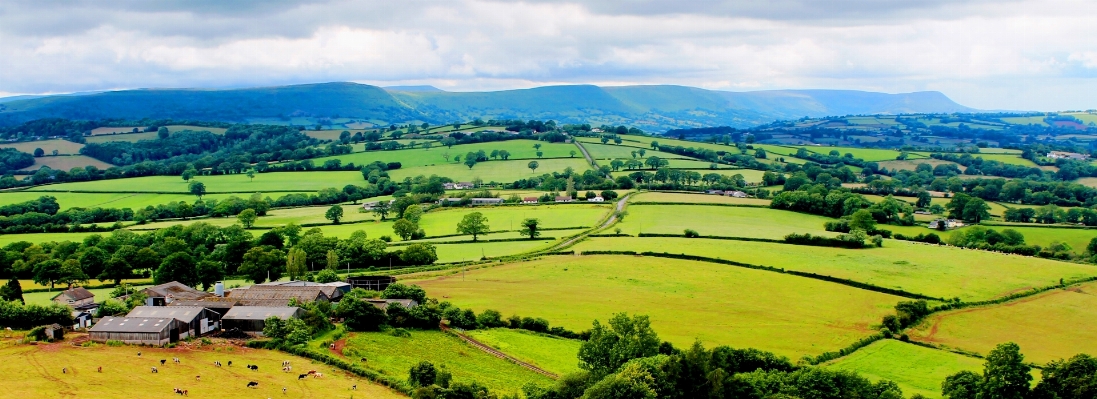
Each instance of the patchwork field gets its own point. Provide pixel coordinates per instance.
(117, 200)
(719, 221)
(695, 199)
(686, 300)
(239, 183)
(1050, 326)
(553, 354)
(67, 162)
(492, 171)
(937, 271)
(39, 372)
(63, 147)
(916, 369)
(396, 355)
(612, 151)
(519, 149)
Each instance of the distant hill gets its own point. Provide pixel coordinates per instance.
(653, 108)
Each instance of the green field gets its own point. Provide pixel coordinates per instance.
(239, 183)
(612, 151)
(63, 147)
(554, 354)
(912, 164)
(45, 298)
(1050, 326)
(444, 221)
(917, 370)
(719, 221)
(686, 300)
(409, 158)
(6, 239)
(492, 171)
(117, 200)
(396, 355)
(936, 271)
(67, 162)
(750, 175)
(695, 199)
(1011, 159)
(868, 154)
(38, 370)
(465, 252)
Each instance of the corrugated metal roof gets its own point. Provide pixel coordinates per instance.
(267, 292)
(184, 314)
(132, 324)
(176, 290)
(260, 312)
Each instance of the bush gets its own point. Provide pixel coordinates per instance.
(690, 233)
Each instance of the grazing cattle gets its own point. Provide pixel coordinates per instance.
(302, 376)
(253, 367)
(253, 384)
(65, 370)
(287, 369)
(230, 363)
(154, 370)
(181, 392)
(163, 361)
(175, 359)
(311, 372)
(100, 369)
(217, 363)
(285, 363)
(197, 378)
(354, 387)
(283, 390)
(318, 375)
(138, 354)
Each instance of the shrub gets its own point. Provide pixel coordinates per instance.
(690, 233)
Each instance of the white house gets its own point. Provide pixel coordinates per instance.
(596, 199)
(736, 194)
(529, 200)
(1067, 155)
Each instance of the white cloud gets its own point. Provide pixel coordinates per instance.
(983, 54)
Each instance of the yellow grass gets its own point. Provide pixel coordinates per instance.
(64, 147)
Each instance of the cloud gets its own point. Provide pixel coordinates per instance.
(1016, 55)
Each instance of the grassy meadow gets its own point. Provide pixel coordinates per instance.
(119, 200)
(519, 149)
(238, 183)
(720, 221)
(492, 171)
(63, 147)
(66, 162)
(937, 271)
(38, 369)
(686, 300)
(917, 370)
(692, 198)
(396, 355)
(1049, 326)
(553, 354)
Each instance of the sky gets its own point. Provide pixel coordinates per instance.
(994, 55)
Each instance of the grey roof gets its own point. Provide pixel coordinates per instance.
(260, 312)
(184, 314)
(175, 290)
(208, 303)
(77, 294)
(132, 324)
(302, 293)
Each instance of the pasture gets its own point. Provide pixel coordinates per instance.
(613, 151)
(238, 183)
(63, 147)
(45, 298)
(936, 271)
(917, 370)
(684, 198)
(554, 354)
(38, 369)
(493, 171)
(67, 162)
(6, 239)
(1050, 326)
(911, 165)
(117, 200)
(394, 356)
(720, 221)
(1011, 159)
(471, 251)
(686, 300)
(519, 149)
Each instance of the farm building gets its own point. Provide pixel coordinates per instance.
(163, 294)
(274, 295)
(135, 330)
(75, 297)
(487, 201)
(563, 198)
(216, 304)
(253, 318)
(371, 283)
(192, 321)
(596, 199)
(1067, 155)
(736, 194)
(717, 192)
(948, 224)
(339, 285)
(529, 200)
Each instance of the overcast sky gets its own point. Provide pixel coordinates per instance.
(1005, 54)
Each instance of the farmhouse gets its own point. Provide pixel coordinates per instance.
(596, 199)
(529, 200)
(1067, 155)
(339, 285)
(164, 294)
(487, 201)
(253, 318)
(215, 304)
(75, 298)
(563, 198)
(368, 206)
(192, 321)
(135, 330)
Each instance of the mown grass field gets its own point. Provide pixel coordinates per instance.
(394, 356)
(553, 354)
(695, 199)
(750, 175)
(118, 200)
(64, 147)
(917, 370)
(444, 222)
(613, 151)
(465, 252)
(67, 162)
(36, 372)
(239, 183)
(519, 149)
(686, 300)
(868, 154)
(6, 239)
(1012, 159)
(1049, 326)
(944, 272)
(719, 221)
(492, 171)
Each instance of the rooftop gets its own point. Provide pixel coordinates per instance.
(184, 314)
(175, 290)
(260, 312)
(131, 324)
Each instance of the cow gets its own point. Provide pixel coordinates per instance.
(253, 367)
(253, 384)
(311, 372)
(175, 359)
(138, 354)
(181, 392)
(285, 363)
(163, 361)
(154, 370)
(302, 376)
(197, 378)
(217, 363)
(354, 387)
(64, 370)
(230, 363)
(283, 390)
(100, 369)
(318, 375)
(287, 369)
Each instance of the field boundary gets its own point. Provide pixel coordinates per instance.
(494, 352)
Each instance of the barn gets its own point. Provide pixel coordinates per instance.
(253, 318)
(163, 294)
(135, 330)
(193, 321)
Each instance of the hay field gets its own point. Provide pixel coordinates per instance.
(1050, 326)
(917, 370)
(720, 221)
(63, 147)
(937, 271)
(519, 149)
(493, 171)
(553, 354)
(35, 371)
(686, 300)
(67, 162)
(695, 199)
(238, 183)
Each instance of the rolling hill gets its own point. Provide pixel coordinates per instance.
(653, 108)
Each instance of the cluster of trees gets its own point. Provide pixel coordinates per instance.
(1006, 375)
(15, 314)
(839, 202)
(978, 166)
(42, 215)
(1008, 241)
(12, 159)
(667, 178)
(1050, 214)
(626, 359)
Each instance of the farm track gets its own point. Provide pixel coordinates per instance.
(496, 353)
